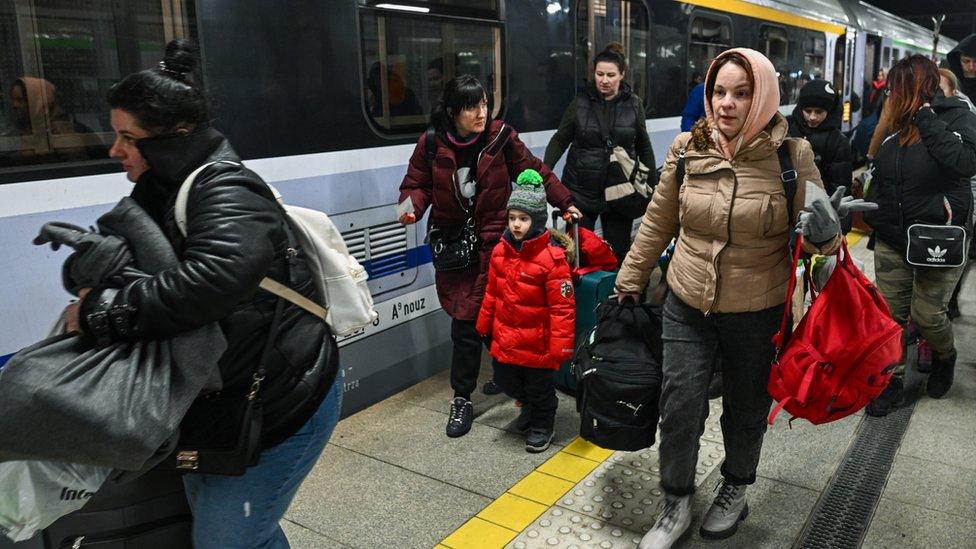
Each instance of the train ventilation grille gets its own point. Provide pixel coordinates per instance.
(382, 249)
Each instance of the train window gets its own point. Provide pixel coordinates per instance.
(57, 61)
(600, 22)
(886, 57)
(777, 44)
(708, 37)
(407, 59)
(814, 52)
(840, 48)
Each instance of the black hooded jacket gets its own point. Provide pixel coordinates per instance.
(831, 148)
(910, 182)
(236, 235)
(966, 47)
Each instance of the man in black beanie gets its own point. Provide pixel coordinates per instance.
(962, 62)
(817, 118)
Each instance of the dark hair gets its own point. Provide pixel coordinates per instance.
(463, 92)
(167, 97)
(613, 53)
(913, 81)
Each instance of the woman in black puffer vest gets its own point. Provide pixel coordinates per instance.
(605, 115)
(924, 165)
(236, 235)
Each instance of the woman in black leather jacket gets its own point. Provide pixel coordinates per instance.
(920, 174)
(236, 235)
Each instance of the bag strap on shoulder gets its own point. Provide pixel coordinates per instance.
(430, 145)
(267, 284)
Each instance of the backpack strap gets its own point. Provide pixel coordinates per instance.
(788, 176)
(679, 171)
(267, 284)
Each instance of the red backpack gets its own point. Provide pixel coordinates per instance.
(841, 355)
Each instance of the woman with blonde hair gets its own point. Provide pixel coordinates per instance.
(728, 279)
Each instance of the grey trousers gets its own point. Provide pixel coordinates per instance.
(923, 292)
(692, 342)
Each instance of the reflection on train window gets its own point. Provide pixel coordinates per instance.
(600, 22)
(407, 60)
(777, 45)
(708, 37)
(57, 61)
(814, 51)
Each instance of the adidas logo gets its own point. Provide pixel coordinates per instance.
(936, 255)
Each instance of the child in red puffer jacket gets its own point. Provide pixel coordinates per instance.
(529, 310)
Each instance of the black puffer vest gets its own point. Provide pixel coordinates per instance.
(589, 154)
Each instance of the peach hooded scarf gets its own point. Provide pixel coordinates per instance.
(765, 99)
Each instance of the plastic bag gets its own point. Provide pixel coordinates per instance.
(33, 494)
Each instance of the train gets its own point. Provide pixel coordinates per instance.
(326, 99)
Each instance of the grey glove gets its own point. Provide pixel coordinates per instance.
(58, 233)
(819, 222)
(849, 204)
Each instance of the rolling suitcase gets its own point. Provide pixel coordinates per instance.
(591, 290)
(150, 512)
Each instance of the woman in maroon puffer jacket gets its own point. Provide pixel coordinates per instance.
(470, 177)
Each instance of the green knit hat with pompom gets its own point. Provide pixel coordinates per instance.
(529, 196)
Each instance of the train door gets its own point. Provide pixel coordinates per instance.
(600, 22)
(847, 78)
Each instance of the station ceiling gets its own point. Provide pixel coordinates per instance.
(960, 19)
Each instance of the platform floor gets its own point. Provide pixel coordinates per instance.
(391, 478)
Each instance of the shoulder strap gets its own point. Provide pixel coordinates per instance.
(788, 177)
(430, 145)
(267, 284)
(604, 125)
(179, 209)
(679, 171)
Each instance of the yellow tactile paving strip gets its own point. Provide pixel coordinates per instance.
(503, 519)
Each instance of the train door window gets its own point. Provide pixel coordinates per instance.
(600, 22)
(708, 36)
(777, 44)
(840, 49)
(407, 58)
(57, 61)
(814, 53)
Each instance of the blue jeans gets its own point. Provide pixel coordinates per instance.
(243, 512)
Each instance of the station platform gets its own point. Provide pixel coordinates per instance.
(391, 478)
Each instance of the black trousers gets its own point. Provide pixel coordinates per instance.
(534, 387)
(616, 230)
(465, 358)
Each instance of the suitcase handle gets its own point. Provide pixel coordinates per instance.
(556, 215)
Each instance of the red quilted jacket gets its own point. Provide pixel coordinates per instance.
(529, 308)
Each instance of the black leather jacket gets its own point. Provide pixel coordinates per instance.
(236, 235)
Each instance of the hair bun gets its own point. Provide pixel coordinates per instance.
(615, 47)
(182, 56)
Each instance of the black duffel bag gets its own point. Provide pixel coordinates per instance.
(618, 372)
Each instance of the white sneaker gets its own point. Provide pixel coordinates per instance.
(671, 524)
(728, 509)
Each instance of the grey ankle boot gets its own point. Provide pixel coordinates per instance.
(671, 524)
(728, 509)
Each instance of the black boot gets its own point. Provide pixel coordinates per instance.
(491, 388)
(943, 370)
(888, 400)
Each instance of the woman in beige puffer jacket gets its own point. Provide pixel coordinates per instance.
(728, 279)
